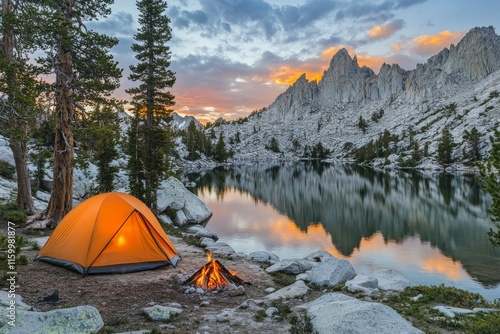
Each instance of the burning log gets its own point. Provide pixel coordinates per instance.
(213, 276)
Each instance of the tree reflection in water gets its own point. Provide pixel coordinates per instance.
(354, 204)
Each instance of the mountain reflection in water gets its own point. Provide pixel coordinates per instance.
(430, 228)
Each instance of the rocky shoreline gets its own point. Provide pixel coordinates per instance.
(318, 293)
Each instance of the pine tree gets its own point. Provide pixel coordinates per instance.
(273, 145)
(85, 75)
(19, 90)
(445, 147)
(152, 103)
(489, 179)
(220, 152)
(362, 124)
(135, 163)
(192, 140)
(99, 137)
(472, 138)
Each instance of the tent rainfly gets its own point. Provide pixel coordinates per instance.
(109, 233)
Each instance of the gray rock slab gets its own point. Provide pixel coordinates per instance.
(205, 233)
(6, 301)
(452, 311)
(366, 284)
(263, 257)
(291, 266)
(296, 290)
(172, 195)
(205, 242)
(390, 280)
(161, 313)
(320, 256)
(75, 320)
(338, 313)
(331, 273)
(220, 248)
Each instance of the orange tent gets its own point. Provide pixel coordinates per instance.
(109, 233)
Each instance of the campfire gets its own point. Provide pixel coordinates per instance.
(213, 276)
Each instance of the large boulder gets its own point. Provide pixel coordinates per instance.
(76, 320)
(331, 273)
(338, 313)
(390, 280)
(181, 204)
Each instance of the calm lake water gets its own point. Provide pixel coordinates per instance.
(430, 228)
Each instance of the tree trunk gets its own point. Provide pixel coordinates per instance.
(18, 146)
(24, 198)
(61, 199)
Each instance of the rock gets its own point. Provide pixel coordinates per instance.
(252, 304)
(204, 233)
(220, 248)
(5, 301)
(40, 241)
(362, 283)
(194, 228)
(331, 273)
(173, 196)
(270, 290)
(452, 311)
(200, 291)
(263, 257)
(320, 256)
(302, 277)
(205, 242)
(204, 303)
(238, 256)
(239, 291)
(180, 218)
(291, 266)
(80, 319)
(417, 297)
(485, 310)
(297, 289)
(270, 311)
(161, 313)
(390, 280)
(355, 316)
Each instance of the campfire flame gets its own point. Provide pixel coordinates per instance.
(214, 276)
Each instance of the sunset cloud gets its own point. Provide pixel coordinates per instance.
(427, 45)
(385, 31)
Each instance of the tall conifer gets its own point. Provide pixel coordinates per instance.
(85, 74)
(152, 102)
(490, 182)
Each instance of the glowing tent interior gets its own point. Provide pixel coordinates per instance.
(109, 233)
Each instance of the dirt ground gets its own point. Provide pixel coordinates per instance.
(120, 298)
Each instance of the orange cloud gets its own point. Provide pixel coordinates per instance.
(314, 68)
(385, 31)
(286, 75)
(429, 44)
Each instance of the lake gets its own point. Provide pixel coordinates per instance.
(431, 228)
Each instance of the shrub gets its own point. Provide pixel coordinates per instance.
(7, 170)
(9, 212)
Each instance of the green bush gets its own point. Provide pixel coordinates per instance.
(9, 212)
(7, 170)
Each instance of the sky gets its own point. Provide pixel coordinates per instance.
(232, 57)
